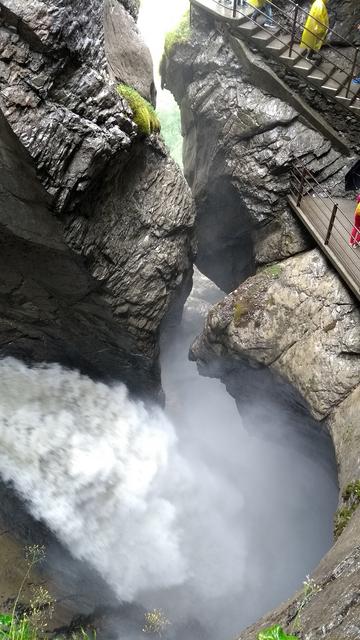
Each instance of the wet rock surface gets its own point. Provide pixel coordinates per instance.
(297, 319)
(128, 52)
(240, 174)
(90, 288)
(293, 319)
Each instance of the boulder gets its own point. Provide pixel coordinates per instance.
(121, 209)
(128, 56)
(240, 174)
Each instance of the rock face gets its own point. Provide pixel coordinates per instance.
(239, 175)
(90, 288)
(127, 52)
(288, 315)
(296, 318)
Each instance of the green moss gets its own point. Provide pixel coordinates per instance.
(274, 633)
(241, 309)
(352, 492)
(144, 114)
(180, 34)
(351, 497)
(274, 270)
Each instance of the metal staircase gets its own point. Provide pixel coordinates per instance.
(334, 70)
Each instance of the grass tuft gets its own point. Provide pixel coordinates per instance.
(241, 309)
(144, 114)
(181, 33)
(351, 497)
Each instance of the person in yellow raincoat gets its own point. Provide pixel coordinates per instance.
(258, 5)
(316, 28)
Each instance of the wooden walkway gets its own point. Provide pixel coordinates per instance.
(315, 213)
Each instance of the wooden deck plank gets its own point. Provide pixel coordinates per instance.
(315, 213)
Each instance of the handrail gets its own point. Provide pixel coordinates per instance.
(244, 12)
(301, 185)
(350, 44)
(300, 28)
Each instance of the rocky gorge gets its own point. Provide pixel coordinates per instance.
(286, 314)
(97, 252)
(96, 218)
(87, 193)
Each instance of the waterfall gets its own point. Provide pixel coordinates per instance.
(99, 469)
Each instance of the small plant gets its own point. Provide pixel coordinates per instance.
(275, 633)
(144, 114)
(156, 622)
(241, 308)
(179, 35)
(274, 270)
(32, 622)
(351, 497)
(81, 634)
(310, 588)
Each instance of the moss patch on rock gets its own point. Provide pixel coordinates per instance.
(241, 309)
(274, 270)
(181, 33)
(144, 114)
(351, 497)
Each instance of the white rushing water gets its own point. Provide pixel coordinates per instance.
(213, 523)
(99, 469)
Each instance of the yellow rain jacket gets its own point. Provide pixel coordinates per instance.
(257, 4)
(314, 33)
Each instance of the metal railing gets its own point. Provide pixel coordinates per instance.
(332, 223)
(291, 26)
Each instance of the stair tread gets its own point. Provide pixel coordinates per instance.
(331, 85)
(285, 56)
(248, 26)
(264, 36)
(278, 45)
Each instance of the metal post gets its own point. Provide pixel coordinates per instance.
(331, 223)
(301, 187)
(293, 32)
(352, 74)
(234, 8)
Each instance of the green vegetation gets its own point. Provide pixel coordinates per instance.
(29, 623)
(275, 633)
(273, 270)
(241, 308)
(351, 497)
(310, 588)
(144, 114)
(156, 622)
(181, 33)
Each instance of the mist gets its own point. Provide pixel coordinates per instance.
(210, 515)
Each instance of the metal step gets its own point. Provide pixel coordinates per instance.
(316, 75)
(331, 85)
(303, 66)
(277, 47)
(356, 106)
(264, 37)
(289, 60)
(248, 28)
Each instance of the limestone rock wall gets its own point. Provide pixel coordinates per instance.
(287, 315)
(122, 210)
(240, 142)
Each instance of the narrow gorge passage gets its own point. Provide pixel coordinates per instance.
(210, 512)
(204, 514)
(267, 484)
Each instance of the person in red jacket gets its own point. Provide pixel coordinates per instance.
(355, 231)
